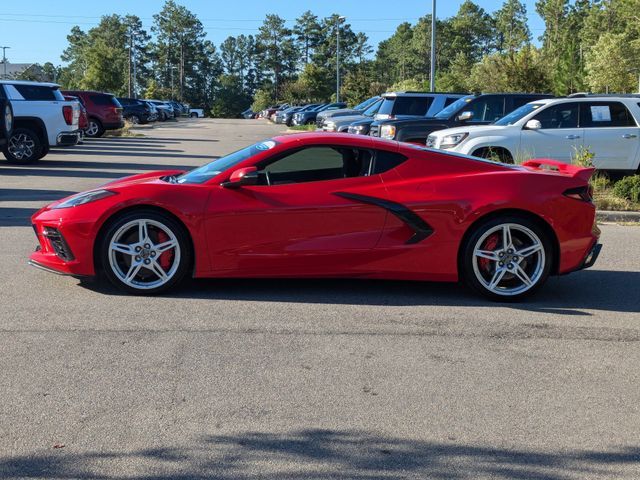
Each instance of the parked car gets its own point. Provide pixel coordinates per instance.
(104, 110)
(165, 111)
(42, 119)
(83, 119)
(196, 113)
(269, 111)
(135, 110)
(308, 117)
(248, 114)
(555, 128)
(480, 109)
(329, 205)
(178, 109)
(404, 105)
(153, 111)
(342, 124)
(6, 118)
(282, 116)
(357, 110)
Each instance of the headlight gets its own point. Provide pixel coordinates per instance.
(330, 126)
(450, 141)
(85, 197)
(8, 118)
(357, 129)
(388, 132)
(431, 141)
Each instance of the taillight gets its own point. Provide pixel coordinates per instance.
(67, 113)
(584, 194)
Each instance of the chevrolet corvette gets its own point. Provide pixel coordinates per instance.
(329, 205)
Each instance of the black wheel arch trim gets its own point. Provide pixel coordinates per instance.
(420, 228)
(37, 120)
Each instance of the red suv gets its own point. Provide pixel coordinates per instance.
(103, 109)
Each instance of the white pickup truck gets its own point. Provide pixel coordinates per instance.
(42, 119)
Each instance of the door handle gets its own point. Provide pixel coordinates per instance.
(629, 135)
(572, 137)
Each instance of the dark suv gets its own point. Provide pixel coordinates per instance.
(398, 105)
(478, 109)
(134, 110)
(6, 118)
(104, 110)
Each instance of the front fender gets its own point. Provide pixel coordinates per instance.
(494, 141)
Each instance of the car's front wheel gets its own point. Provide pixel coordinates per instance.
(507, 258)
(24, 146)
(145, 252)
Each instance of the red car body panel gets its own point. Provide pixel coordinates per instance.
(108, 111)
(329, 228)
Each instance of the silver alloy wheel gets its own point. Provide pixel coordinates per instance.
(92, 129)
(134, 119)
(135, 251)
(21, 146)
(509, 259)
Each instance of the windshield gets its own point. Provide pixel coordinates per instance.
(210, 170)
(518, 113)
(454, 107)
(373, 109)
(366, 104)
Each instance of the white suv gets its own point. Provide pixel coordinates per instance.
(555, 128)
(42, 119)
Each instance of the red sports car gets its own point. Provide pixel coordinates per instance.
(330, 205)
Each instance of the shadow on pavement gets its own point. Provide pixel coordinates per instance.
(28, 194)
(567, 295)
(323, 454)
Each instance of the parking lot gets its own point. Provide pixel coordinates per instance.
(303, 379)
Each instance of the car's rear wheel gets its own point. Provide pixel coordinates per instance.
(145, 252)
(95, 128)
(24, 146)
(507, 258)
(134, 119)
(194, 115)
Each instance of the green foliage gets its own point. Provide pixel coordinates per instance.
(262, 99)
(524, 71)
(582, 156)
(230, 99)
(628, 188)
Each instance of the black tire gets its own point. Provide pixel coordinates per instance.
(472, 269)
(134, 119)
(182, 266)
(194, 115)
(6, 117)
(23, 147)
(95, 128)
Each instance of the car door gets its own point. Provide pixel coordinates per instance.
(611, 134)
(293, 222)
(559, 135)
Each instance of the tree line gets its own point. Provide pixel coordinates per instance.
(586, 45)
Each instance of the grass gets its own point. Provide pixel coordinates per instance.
(124, 131)
(605, 199)
(303, 128)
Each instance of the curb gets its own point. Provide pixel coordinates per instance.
(609, 216)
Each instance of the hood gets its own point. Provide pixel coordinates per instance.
(472, 130)
(339, 113)
(140, 178)
(347, 119)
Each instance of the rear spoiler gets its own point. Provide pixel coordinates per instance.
(575, 171)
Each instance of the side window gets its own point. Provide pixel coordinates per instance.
(386, 161)
(36, 92)
(487, 109)
(564, 115)
(605, 114)
(412, 105)
(315, 164)
(101, 99)
(449, 100)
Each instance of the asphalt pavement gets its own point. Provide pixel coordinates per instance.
(330, 379)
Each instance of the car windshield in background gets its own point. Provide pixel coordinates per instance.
(454, 107)
(373, 109)
(366, 104)
(210, 170)
(518, 113)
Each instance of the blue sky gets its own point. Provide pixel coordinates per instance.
(36, 30)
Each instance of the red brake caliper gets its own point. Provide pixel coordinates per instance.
(166, 257)
(490, 244)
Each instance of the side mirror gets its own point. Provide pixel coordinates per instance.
(533, 125)
(465, 116)
(242, 176)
